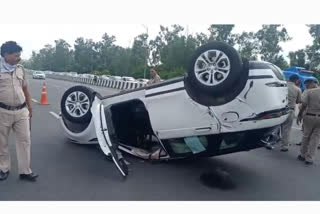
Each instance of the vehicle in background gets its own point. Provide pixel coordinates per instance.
(89, 76)
(115, 78)
(128, 79)
(50, 72)
(38, 75)
(82, 75)
(141, 80)
(302, 73)
(71, 74)
(105, 77)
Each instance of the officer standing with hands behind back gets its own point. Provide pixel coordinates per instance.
(15, 112)
(311, 124)
(294, 97)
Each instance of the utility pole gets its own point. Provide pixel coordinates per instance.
(147, 52)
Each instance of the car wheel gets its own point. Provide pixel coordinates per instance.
(76, 103)
(216, 75)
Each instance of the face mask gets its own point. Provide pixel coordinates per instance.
(5, 67)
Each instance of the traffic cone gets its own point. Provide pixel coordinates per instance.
(44, 100)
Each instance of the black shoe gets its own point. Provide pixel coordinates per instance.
(284, 150)
(308, 162)
(300, 158)
(298, 144)
(28, 177)
(4, 175)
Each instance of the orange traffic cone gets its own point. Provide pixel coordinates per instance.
(44, 100)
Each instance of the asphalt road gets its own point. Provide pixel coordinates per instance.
(81, 172)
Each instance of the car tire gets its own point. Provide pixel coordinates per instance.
(218, 93)
(217, 58)
(76, 103)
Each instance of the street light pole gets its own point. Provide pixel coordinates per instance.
(146, 60)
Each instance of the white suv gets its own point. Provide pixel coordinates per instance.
(223, 104)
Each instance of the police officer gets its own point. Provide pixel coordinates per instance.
(15, 112)
(311, 125)
(294, 97)
(155, 78)
(309, 83)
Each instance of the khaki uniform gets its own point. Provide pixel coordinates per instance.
(155, 79)
(294, 97)
(302, 96)
(11, 94)
(311, 120)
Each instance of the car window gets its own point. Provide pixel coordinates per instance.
(189, 144)
(277, 71)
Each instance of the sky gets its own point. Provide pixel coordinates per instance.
(35, 23)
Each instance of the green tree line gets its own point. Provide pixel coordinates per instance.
(170, 51)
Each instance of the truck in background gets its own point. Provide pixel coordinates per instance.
(303, 74)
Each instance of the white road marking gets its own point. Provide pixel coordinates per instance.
(34, 100)
(298, 128)
(54, 114)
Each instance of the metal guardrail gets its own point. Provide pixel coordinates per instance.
(116, 84)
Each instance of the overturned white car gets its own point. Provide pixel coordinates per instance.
(223, 104)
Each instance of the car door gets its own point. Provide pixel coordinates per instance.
(173, 114)
(106, 136)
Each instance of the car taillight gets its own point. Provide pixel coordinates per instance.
(271, 115)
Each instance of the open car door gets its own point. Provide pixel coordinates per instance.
(106, 135)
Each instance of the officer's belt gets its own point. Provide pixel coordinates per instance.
(315, 115)
(12, 108)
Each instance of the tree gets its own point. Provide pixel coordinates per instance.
(298, 58)
(201, 39)
(62, 56)
(139, 55)
(161, 46)
(119, 61)
(313, 51)
(35, 61)
(269, 39)
(105, 49)
(247, 45)
(222, 33)
(281, 62)
(47, 57)
(85, 55)
(172, 50)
